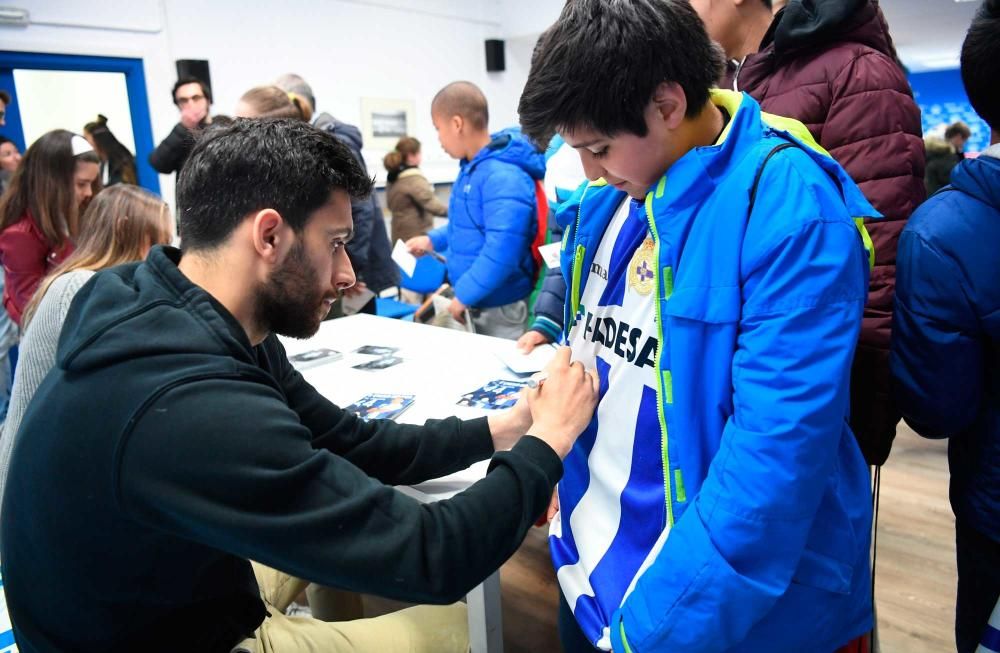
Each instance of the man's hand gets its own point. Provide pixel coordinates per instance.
(563, 405)
(550, 514)
(530, 340)
(419, 245)
(508, 427)
(192, 115)
(457, 310)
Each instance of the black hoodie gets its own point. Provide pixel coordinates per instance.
(164, 451)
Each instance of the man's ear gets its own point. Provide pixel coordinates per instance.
(268, 231)
(671, 104)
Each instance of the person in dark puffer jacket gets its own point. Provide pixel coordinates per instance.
(946, 338)
(831, 64)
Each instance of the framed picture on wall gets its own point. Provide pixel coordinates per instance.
(386, 121)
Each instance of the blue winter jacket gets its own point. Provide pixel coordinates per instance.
(551, 300)
(945, 358)
(492, 222)
(768, 497)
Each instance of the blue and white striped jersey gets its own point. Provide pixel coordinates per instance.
(612, 514)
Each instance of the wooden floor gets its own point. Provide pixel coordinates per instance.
(915, 574)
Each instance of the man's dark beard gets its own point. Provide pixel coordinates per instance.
(289, 303)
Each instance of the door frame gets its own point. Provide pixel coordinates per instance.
(135, 84)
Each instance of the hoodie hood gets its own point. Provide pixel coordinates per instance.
(980, 178)
(806, 24)
(129, 312)
(510, 146)
(342, 130)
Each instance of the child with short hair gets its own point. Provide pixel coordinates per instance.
(718, 501)
(492, 214)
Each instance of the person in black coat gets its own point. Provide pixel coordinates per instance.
(193, 98)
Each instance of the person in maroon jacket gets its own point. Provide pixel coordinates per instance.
(39, 213)
(831, 64)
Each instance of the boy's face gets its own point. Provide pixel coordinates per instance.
(722, 22)
(449, 131)
(626, 161)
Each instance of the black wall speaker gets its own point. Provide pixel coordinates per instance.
(495, 61)
(197, 68)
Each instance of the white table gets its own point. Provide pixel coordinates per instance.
(439, 366)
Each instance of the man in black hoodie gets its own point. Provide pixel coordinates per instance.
(173, 441)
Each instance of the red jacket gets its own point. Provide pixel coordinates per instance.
(831, 65)
(27, 257)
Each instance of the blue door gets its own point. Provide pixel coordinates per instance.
(135, 86)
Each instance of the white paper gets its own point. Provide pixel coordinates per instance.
(521, 363)
(550, 254)
(354, 303)
(407, 262)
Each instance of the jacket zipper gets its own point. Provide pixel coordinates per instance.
(660, 390)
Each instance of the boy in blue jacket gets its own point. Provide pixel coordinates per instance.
(945, 357)
(718, 500)
(492, 216)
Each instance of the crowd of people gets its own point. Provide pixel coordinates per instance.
(764, 267)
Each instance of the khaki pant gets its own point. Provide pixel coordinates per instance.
(430, 629)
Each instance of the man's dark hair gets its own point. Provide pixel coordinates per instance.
(957, 129)
(252, 165)
(598, 66)
(205, 90)
(4, 96)
(981, 63)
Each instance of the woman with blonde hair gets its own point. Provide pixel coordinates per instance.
(120, 226)
(409, 195)
(272, 102)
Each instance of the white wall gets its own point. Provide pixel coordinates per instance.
(63, 99)
(346, 49)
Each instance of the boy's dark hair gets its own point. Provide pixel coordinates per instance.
(4, 96)
(251, 165)
(205, 90)
(981, 63)
(957, 129)
(598, 66)
(462, 99)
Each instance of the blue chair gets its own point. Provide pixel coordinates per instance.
(427, 277)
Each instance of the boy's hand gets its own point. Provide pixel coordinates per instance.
(563, 405)
(530, 340)
(418, 245)
(457, 310)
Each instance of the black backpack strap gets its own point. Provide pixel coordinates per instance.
(760, 172)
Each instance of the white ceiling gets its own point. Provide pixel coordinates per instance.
(929, 33)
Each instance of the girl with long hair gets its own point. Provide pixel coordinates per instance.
(120, 226)
(117, 163)
(409, 195)
(39, 212)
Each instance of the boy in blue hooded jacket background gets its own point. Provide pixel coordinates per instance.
(945, 358)
(718, 501)
(492, 214)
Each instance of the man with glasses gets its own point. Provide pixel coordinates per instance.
(193, 97)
